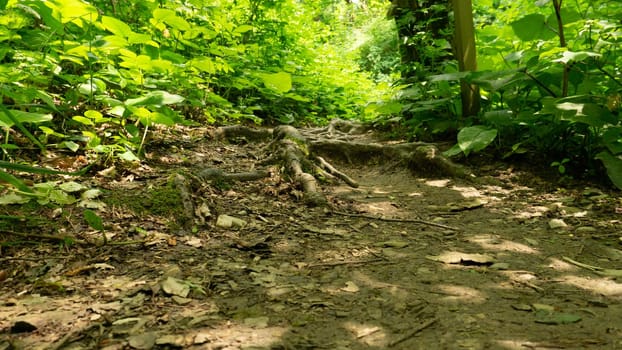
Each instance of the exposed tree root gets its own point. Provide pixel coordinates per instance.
(302, 154)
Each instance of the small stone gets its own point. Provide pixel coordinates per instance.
(557, 223)
(585, 229)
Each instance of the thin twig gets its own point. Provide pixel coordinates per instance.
(71, 239)
(349, 262)
(416, 221)
(414, 332)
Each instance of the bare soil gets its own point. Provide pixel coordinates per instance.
(506, 260)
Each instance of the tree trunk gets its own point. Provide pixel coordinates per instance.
(465, 52)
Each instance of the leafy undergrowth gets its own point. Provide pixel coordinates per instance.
(401, 262)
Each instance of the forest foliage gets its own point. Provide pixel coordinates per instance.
(96, 77)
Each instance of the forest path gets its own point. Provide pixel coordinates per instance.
(401, 262)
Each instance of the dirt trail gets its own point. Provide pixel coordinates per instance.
(401, 262)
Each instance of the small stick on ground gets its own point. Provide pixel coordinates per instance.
(351, 262)
(415, 221)
(331, 170)
(414, 332)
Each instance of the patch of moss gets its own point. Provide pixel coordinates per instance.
(162, 201)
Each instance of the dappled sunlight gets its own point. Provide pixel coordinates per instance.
(378, 208)
(522, 344)
(438, 183)
(461, 294)
(560, 265)
(531, 212)
(596, 285)
(368, 281)
(252, 333)
(467, 192)
(523, 279)
(367, 334)
(494, 243)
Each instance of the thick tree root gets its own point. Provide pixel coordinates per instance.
(303, 155)
(292, 149)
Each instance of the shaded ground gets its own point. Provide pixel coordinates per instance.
(402, 262)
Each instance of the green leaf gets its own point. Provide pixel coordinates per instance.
(37, 170)
(116, 26)
(15, 120)
(94, 220)
(169, 17)
(387, 108)
(613, 164)
(61, 197)
(71, 186)
(17, 183)
(531, 27)
(475, 138)
(22, 117)
(160, 118)
(243, 29)
(128, 156)
(155, 98)
(448, 76)
(72, 146)
(570, 56)
(203, 64)
(585, 113)
(13, 198)
(83, 120)
(281, 81)
(612, 138)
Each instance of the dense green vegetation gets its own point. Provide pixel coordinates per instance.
(95, 77)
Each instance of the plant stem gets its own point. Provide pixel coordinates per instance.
(562, 43)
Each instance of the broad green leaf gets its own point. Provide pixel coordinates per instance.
(91, 194)
(83, 120)
(155, 98)
(475, 138)
(613, 164)
(204, 64)
(531, 27)
(159, 118)
(453, 151)
(61, 197)
(94, 220)
(87, 88)
(116, 26)
(502, 117)
(585, 113)
(281, 81)
(570, 56)
(44, 10)
(17, 183)
(72, 146)
(170, 17)
(23, 117)
(71, 186)
(137, 38)
(297, 97)
(448, 77)
(142, 62)
(612, 138)
(93, 114)
(114, 42)
(76, 11)
(387, 108)
(128, 156)
(13, 198)
(243, 29)
(50, 131)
